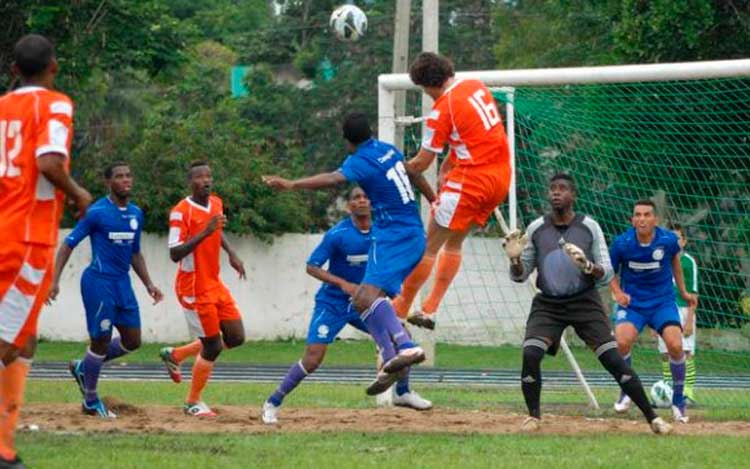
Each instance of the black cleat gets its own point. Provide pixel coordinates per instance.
(14, 463)
(422, 320)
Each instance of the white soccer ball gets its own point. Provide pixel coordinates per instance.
(348, 22)
(661, 394)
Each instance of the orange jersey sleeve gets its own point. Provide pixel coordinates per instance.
(466, 118)
(33, 122)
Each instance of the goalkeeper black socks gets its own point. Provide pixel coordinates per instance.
(531, 374)
(627, 379)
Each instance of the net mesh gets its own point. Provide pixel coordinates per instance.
(682, 144)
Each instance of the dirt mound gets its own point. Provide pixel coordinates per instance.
(163, 419)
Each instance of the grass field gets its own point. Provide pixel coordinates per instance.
(470, 447)
(361, 353)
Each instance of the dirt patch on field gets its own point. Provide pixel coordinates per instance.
(163, 419)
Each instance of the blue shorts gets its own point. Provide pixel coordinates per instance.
(108, 302)
(327, 322)
(393, 255)
(656, 318)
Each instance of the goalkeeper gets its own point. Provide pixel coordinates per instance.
(559, 245)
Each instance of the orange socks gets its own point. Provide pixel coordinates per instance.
(201, 372)
(188, 350)
(12, 386)
(447, 267)
(411, 286)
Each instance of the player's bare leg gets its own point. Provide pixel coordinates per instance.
(16, 365)
(672, 336)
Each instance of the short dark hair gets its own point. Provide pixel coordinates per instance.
(109, 169)
(195, 164)
(430, 69)
(563, 177)
(356, 128)
(647, 202)
(33, 54)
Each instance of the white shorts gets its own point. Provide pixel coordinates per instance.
(688, 343)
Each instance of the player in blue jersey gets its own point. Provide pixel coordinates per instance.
(646, 258)
(344, 247)
(398, 239)
(113, 224)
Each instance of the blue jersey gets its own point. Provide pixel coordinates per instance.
(115, 236)
(378, 168)
(345, 249)
(645, 271)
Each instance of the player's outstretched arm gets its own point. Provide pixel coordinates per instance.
(234, 259)
(63, 254)
(176, 253)
(52, 166)
(327, 277)
(139, 266)
(319, 181)
(421, 161)
(679, 280)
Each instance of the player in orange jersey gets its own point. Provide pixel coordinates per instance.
(36, 128)
(195, 240)
(473, 179)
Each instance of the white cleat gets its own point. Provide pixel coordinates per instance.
(531, 425)
(623, 405)
(269, 413)
(412, 400)
(660, 427)
(679, 416)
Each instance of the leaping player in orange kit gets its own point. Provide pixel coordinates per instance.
(473, 179)
(196, 237)
(36, 129)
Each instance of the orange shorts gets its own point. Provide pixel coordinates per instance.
(206, 312)
(25, 277)
(470, 194)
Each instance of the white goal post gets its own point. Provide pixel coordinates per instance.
(505, 81)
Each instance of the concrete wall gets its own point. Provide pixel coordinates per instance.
(278, 296)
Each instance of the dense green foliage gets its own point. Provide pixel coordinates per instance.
(151, 79)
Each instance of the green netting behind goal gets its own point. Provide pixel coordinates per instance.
(686, 146)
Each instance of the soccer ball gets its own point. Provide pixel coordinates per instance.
(661, 394)
(348, 22)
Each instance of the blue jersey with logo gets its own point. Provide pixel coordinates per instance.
(345, 249)
(645, 271)
(115, 234)
(378, 168)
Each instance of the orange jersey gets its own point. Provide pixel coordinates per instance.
(465, 117)
(34, 121)
(198, 272)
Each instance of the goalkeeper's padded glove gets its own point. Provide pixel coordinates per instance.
(578, 257)
(514, 243)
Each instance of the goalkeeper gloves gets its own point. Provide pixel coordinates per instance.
(578, 257)
(514, 243)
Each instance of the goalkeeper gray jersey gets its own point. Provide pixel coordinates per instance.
(557, 275)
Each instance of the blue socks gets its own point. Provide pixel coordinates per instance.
(385, 328)
(677, 367)
(92, 366)
(402, 386)
(293, 377)
(115, 349)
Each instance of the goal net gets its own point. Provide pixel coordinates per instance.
(674, 133)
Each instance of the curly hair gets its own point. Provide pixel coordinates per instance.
(430, 70)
